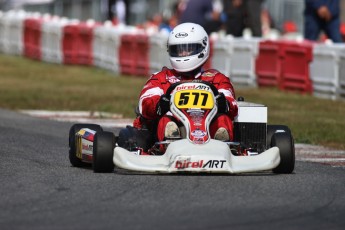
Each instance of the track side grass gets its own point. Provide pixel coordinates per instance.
(28, 84)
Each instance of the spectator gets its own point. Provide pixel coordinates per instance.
(197, 11)
(253, 16)
(267, 23)
(118, 10)
(242, 14)
(178, 8)
(152, 25)
(214, 23)
(234, 11)
(322, 15)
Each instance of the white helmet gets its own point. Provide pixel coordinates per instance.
(188, 47)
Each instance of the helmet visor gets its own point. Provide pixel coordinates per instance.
(184, 50)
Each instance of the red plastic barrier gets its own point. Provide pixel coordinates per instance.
(70, 44)
(85, 52)
(141, 55)
(134, 54)
(126, 54)
(77, 44)
(285, 64)
(295, 66)
(32, 38)
(268, 64)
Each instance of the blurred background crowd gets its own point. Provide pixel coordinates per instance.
(311, 19)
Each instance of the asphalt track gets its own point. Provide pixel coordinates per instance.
(40, 190)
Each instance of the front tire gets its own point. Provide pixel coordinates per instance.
(103, 151)
(284, 141)
(75, 161)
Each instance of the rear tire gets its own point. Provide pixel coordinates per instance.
(271, 129)
(103, 151)
(284, 141)
(75, 161)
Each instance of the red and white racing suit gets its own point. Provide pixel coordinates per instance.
(158, 84)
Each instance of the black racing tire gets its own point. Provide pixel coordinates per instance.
(271, 129)
(285, 142)
(103, 152)
(75, 161)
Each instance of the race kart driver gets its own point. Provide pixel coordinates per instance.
(189, 48)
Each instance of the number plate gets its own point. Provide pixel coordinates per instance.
(192, 99)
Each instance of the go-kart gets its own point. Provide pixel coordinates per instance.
(256, 145)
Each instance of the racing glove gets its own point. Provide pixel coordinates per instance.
(222, 103)
(163, 105)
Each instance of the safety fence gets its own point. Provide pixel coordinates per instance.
(299, 66)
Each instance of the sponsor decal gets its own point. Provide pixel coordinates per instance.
(184, 87)
(198, 141)
(208, 74)
(211, 164)
(198, 133)
(172, 79)
(196, 116)
(181, 35)
(203, 87)
(88, 136)
(81, 132)
(87, 147)
(87, 158)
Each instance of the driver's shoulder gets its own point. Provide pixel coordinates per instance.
(163, 73)
(212, 74)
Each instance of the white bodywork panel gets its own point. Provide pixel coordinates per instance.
(183, 155)
(251, 113)
(212, 157)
